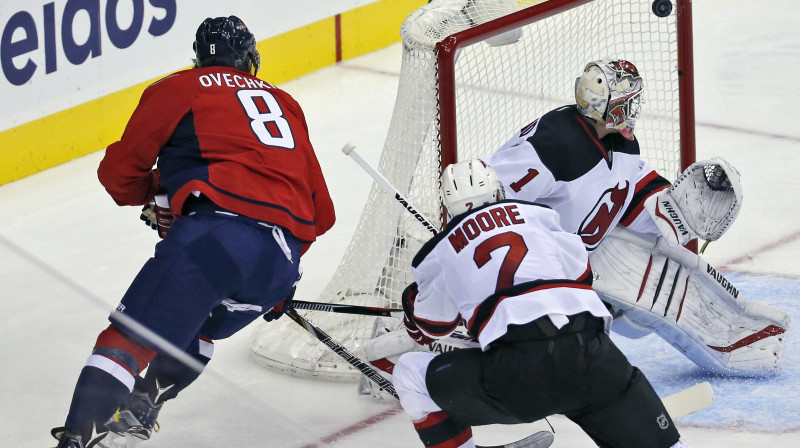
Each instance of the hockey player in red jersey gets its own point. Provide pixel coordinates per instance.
(237, 196)
(522, 286)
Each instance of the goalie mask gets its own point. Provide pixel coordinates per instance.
(226, 41)
(467, 185)
(610, 91)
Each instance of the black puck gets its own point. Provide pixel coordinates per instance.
(662, 8)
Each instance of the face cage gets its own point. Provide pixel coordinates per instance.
(623, 113)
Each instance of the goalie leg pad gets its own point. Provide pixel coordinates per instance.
(689, 304)
(381, 352)
(625, 325)
(389, 345)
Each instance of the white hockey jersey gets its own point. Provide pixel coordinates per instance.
(504, 263)
(593, 184)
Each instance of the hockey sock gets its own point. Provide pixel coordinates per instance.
(166, 376)
(97, 395)
(438, 430)
(106, 380)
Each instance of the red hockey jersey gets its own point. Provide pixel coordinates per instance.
(238, 140)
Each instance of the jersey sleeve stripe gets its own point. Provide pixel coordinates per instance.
(436, 328)
(646, 187)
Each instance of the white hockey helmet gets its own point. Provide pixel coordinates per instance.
(469, 184)
(610, 91)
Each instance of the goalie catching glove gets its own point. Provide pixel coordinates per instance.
(158, 215)
(408, 297)
(703, 203)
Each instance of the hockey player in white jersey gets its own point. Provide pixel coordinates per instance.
(522, 286)
(583, 161)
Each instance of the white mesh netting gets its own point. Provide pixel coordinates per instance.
(501, 85)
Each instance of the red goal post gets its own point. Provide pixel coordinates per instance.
(448, 47)
(473, 73)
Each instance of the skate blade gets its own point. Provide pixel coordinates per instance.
(122, 441)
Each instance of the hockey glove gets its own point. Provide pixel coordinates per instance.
(408, 297)
(280, 309)
(703, 202)
(158, 215)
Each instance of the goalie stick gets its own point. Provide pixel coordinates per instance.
(542, 439)
(689, 400)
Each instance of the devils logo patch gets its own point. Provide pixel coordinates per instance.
(598, 222)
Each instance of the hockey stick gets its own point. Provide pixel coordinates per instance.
(542, 439)
(689, 400)
(340, 350)
(349, 149)
(347, 309)
(366, 311)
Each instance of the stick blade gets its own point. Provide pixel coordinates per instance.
(541, 439)
(689, 401)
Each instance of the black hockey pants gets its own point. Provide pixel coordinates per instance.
(536, 370)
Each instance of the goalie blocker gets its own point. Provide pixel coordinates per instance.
(675, 293)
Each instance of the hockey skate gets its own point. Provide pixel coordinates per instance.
(69, 439)
(133, 422)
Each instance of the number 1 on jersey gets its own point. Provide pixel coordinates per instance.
(516, 186)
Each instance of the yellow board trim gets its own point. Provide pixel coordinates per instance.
(52, 140)
(298, 52)
(62, 136)
(374, 26)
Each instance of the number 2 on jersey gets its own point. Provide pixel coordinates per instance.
(517, 249)
(264, 124)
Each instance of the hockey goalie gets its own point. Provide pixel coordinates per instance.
(657, 285)
(583, 161)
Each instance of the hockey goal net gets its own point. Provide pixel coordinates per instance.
(473, 73)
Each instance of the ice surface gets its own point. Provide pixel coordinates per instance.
(67, 254)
